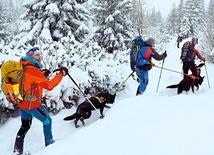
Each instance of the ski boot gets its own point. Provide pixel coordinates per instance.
(18, 148)
(49, 141)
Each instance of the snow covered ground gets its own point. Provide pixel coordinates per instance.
(155, 123)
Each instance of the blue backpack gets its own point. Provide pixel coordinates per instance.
(139, 55)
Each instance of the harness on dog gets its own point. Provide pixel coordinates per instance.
(194, 78)
(98, 98)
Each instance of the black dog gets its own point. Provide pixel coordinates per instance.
(84, 109)
(189, 81)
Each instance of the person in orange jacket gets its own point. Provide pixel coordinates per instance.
(33, 85)
(191, 64)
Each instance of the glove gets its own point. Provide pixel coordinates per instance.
(164, 54)
(63, 71)
(46, 72)
(102, 116)
(132, 67)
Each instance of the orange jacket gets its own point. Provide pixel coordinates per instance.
(33, 85)
(199, 55)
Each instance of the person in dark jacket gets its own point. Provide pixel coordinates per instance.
(191, 64)
(146, 53)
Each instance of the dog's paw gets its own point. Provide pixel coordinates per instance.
(102, 116)
(77, 126)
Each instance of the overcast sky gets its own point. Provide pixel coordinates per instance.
(165, 5)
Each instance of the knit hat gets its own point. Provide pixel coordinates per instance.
(150, 42)
(33, 51)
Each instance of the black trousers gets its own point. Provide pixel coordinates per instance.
(189, 66)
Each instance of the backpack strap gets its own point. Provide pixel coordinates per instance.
(26, 97)
(148, 53)
(12, 96)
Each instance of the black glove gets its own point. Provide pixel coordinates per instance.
(164, 54)
(46, 72)
(102, 116)
(64, 71)
(132, 67)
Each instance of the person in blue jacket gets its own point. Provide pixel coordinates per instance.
(144, 64)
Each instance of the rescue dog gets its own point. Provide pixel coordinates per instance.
(189, 81)
(85, 108)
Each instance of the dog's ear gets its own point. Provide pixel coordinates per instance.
(200, 65)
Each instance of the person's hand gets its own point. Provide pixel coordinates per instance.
(132, 67)
(63, 71)
(203, 59)
(46, 72)
(164, 54)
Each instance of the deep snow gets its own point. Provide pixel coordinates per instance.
(161, 123)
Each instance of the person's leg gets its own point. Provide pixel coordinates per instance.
(42, 114)
(193, 69)
(26, 120)
(186, 68)
(143, 80)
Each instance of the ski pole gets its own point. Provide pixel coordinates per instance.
(207, 75)
(124, 82)
(82, 92)
(160, 75)
(79, 90)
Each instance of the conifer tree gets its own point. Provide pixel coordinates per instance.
(114, 30)
(6, 24)
(52, 20)
(208, 33)
(173, 21)
(192, 17)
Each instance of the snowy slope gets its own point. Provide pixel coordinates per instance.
(161, 123)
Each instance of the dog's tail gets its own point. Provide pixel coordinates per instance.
(71, 117)
(173, 86)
